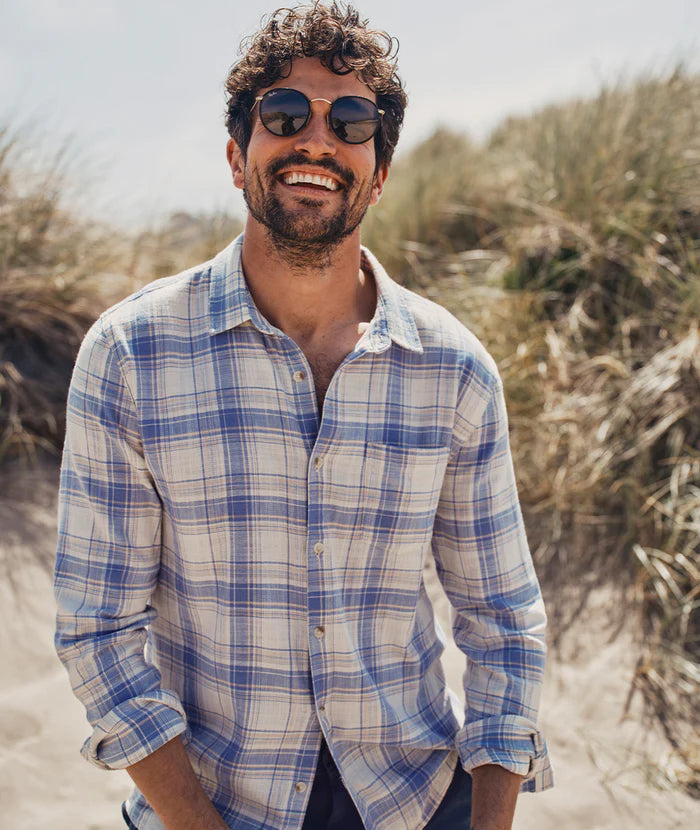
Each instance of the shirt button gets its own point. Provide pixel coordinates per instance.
(319, 632)
(299, 376)
(300, 786)
(318, 548)
(322, 708)
(318, 462)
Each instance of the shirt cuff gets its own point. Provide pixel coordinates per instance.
(511, 742)
(134, 729)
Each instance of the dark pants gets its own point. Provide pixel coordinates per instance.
(331, 808)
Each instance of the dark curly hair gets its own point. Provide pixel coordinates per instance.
(343, 43)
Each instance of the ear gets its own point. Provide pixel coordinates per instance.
(236, 163)
(380, 178)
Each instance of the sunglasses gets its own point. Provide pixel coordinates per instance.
(352, 118)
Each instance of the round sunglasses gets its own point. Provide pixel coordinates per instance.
(285, 111)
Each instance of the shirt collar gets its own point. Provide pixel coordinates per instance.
(393, 319)
(231, 304)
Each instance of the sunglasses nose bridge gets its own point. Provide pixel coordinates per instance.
(325, 112)
(322, 138)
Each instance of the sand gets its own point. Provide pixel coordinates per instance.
(607, 764)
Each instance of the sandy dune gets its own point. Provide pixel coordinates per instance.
(604, 763)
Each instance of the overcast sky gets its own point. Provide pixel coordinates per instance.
(138, 84)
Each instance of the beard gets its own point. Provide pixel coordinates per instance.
(300, 235)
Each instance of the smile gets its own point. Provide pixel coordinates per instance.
(299, 177)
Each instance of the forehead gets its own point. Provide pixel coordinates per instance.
(311, 77)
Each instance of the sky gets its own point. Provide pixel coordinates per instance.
(135, 87)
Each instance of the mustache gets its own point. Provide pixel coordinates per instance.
(299, 160)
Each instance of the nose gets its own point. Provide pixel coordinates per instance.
(316, 138)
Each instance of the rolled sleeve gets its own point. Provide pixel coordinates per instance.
(510, 742)
(484, 564)
(132, 730)
(107, 564)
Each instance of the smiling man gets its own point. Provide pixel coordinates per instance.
(261, 455)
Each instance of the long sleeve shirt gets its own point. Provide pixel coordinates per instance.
(245, 571)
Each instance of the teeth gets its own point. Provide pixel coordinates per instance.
(310, 178)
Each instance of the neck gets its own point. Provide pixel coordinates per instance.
(305, 292)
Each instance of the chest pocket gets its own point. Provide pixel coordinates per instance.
(401, 489)
(398, 497)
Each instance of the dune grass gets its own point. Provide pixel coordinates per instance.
(58, 272)
(47, 293)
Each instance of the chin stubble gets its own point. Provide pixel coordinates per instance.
(303, 244)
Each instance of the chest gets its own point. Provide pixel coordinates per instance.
(323, 366)
(230, 403)
(325, 358)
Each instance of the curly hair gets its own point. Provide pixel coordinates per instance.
(343, 43)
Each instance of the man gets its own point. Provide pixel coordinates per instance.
(261, 454)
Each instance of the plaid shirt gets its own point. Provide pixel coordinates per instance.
(238, 568)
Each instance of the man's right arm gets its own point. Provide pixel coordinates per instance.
(106, 570)
(168, 782)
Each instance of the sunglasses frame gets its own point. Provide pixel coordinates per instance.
(331, 104)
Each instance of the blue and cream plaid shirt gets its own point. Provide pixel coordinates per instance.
(270, 559)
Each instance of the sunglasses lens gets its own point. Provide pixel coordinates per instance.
(284, 111)
(354, 119)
